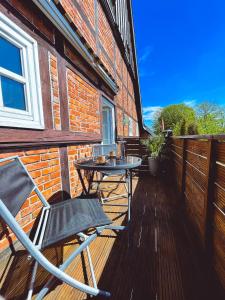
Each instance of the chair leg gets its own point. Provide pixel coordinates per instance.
(74, 283)
(84, 237)
(32, 281)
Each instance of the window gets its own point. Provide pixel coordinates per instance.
(108, 123)
(137, 129)
(130, 127)
(20, 92)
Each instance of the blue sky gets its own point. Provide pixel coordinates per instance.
(181, 52)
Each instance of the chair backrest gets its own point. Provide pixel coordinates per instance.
(15, 184)
(100, 149)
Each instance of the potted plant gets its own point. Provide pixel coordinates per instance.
(154, 146)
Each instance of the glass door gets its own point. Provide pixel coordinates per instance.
(108, 123)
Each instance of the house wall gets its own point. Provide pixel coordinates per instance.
(71, 94)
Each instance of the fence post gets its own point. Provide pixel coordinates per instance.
(208, 212)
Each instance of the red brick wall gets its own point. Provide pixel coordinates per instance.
(84, 110)
(119, 97)
(44, 167)
(119, 122)
(83, 105)
(107, 51)
(106, 40)
(74, 153)
(54, 81)
(76, 17)
(119, 66)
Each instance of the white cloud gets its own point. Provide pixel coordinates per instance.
(146, 53)
(149, 112)
(191, 103)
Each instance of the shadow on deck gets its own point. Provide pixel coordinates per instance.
(155, 259)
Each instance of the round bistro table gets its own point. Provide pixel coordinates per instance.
(112, 165)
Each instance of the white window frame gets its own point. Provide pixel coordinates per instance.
(130, 127)
(33, 116)
(137, 129)
(107, 103)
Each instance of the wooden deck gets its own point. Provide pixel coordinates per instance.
(155, 259)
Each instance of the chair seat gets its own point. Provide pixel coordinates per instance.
(73, 216)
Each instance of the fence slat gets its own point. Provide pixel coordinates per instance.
(199, 172)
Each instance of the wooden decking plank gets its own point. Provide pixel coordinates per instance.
(137, 264)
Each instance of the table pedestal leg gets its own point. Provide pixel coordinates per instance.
(82, 182)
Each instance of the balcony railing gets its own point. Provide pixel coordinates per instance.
(198, 168)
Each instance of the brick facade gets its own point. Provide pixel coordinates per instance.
(44, 167)
(84, 114)
(72, 101)
(74, 153)
(99, 36)
(54, 80)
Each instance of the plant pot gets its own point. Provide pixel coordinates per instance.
(153, 165)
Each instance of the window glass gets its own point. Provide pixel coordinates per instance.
(130, 127)
(10, 57)
(13, 93)
(20, 86)
(107, 139)
(108, 126)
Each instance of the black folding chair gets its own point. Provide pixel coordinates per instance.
(57, 222)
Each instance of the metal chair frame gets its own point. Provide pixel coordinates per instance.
(34, 247)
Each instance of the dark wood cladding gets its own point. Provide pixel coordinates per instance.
(35, 18)
(21, 138)
(202, 188)
(45, 86)
(63, 96)
(64, 173)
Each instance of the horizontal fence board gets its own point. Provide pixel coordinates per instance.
(198, 147)
(198, 161)
(220, 175)
(219, 197)
(219, 245)
(196, 200)
(176, 157)
(219, 223)
(177, 149)
(202, 183)
(219, 255)
(220, 152)
(135, 146)
(196, 175)
(177, 142)
(193, 217)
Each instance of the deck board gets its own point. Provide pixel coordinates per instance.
(155, 259)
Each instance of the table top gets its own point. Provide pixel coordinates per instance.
(129, 162)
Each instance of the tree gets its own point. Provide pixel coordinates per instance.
(206, 109)
(176, 117)
(210, 118)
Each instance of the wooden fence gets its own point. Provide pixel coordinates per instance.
(134, 147)
(198, 165)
